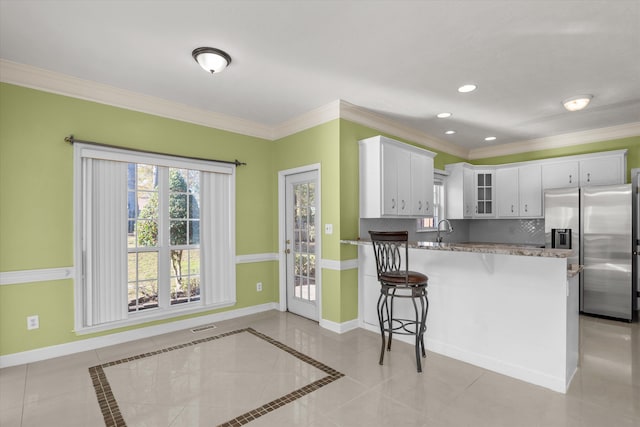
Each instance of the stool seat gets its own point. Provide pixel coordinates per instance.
(411, 278)
(391, 251)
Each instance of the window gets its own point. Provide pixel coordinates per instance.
(149, 251)
(430, 224)
(154, 237)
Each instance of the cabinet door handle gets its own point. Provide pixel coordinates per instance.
(393, 203)
(402, 205)
(511, 208)
(570, 179)
(427, 205)
(588, 177)
(526, 208)
(419, 205)
(476, 208)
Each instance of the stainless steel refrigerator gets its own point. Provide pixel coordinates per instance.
(596, 222)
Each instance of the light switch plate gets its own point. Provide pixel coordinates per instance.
(328, 229)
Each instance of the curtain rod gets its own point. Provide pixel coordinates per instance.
(70, 139)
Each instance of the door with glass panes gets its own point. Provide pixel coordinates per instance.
(301, 248)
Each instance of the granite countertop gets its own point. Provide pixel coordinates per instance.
(484, 248)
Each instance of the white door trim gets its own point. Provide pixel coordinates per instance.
(282, 230)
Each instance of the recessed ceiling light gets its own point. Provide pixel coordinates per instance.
(444, 115)
(450, 132)
(490, 138)
(577, 103)
(211, 59)
(467, 88)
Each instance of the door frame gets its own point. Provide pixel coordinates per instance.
(282, 232)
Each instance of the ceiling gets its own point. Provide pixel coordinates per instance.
(400, 59)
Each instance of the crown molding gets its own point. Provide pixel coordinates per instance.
(62, 84)
(376, 121)
(318, 116)
(558, 141)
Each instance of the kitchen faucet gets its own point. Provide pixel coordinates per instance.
(450, 229)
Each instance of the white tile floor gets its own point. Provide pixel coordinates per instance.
(213, 382)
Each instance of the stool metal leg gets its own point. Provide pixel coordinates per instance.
(390, 320)
(418, 330)
(424, 301)
(382, 303)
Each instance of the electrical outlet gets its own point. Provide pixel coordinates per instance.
(259, 286)
(33, 322)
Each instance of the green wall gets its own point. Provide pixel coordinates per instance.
(632, 144)
(36, 200)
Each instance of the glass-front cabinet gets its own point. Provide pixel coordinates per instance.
(485, 194)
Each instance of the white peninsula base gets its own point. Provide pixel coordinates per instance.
(512, 314)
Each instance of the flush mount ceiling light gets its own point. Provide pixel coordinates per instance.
(211, 59)
(450, 132)
(490, 138)
(467, 88)
(577, 103)
(444, 115)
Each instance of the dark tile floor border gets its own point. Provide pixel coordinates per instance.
(111, 411)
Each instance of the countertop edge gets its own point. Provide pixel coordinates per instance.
(488, 248)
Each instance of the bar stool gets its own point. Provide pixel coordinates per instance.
(397, 281)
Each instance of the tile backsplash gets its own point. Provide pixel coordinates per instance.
(514, 231)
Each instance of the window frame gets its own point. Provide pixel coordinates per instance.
(439, 179)
(219, 296)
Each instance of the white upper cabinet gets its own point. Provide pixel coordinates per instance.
(389, 178)
(519, 192)
(602, 171)
(485, 194)
(530, 191)
(560, 175)
(459, 197)
(518, 188)
(507, 192)
(396, 179)
(469, 194)
(421, 185)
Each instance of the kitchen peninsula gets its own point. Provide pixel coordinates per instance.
(507, 308)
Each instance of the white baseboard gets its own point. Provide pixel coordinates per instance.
(340, 328)
(482, 361)
(123, 337)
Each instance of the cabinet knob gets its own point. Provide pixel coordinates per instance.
(287, 251)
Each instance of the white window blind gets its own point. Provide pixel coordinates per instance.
(101, 217)
(105, 236)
